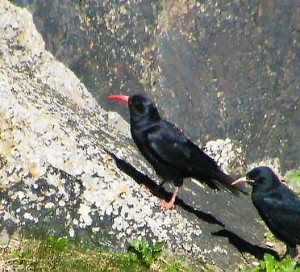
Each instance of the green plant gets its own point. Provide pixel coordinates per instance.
(270, 264)
(176, 267)
(64, 254)
(269, 235)
(294, 175)
(20, 257)
(143, 252)
(54, 243)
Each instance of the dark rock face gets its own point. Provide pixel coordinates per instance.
(231, 69)
(64, 167)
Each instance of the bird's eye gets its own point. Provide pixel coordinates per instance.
(259, 180)
(139, 106)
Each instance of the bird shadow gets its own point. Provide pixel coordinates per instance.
(159, 191)
(244, 246)
(239, 243)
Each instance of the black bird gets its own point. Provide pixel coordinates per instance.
(277, 205)
(172, 155)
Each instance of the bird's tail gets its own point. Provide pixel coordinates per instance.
(206, 169)
(224, 181)
(221, 181)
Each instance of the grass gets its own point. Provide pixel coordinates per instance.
(295, 174)
(293, 177)
(48, 252)
(270, 264)
(66, 254)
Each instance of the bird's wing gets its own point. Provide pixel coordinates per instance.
(283, 206)
(282, 211)
(284, 200)
(170, 145)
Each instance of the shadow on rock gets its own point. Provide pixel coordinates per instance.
(244, 246)
(159, 191)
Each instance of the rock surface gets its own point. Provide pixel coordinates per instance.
(63, 168)
(231, 67)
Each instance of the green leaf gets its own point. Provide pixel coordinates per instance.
(50, 238)
(158, 246)
(26, 253)
(288, 264)
(133, 257)
(135, 243)
(270, 263)
(61, 243)
(148, 257)
(294, 175)
(144, 244)
(15, 253)
(145, 253)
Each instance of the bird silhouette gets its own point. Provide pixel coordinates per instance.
(172, 155)
(278, 206)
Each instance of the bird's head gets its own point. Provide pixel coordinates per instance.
(141, 108)
(262, 178)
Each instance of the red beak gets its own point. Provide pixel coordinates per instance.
(238, 181)
(120, 97)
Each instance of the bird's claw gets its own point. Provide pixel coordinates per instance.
(167, 205)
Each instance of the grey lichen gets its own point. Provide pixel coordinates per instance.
(53, 159)
(54, 166)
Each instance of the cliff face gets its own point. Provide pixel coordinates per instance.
(232, 67)
(64, 166)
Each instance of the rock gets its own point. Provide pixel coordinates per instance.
(228, 154)
(115, 120)
(65, 170)
(225, 65)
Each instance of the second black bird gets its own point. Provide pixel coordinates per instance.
(172, 155)
(277, 205)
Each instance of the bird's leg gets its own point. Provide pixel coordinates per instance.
(297, 254)
(292, 251)
(161, 184)
(170, 204)
(158, 187)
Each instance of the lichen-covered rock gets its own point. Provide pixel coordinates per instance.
(227, 65)
(57, 168)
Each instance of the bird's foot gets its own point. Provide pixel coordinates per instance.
(293, 252)
(298, 254)
(170, 205)
(167, 205)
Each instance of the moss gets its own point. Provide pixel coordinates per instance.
(294, 176)
(61, 253)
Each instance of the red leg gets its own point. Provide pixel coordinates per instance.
(170, 204)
